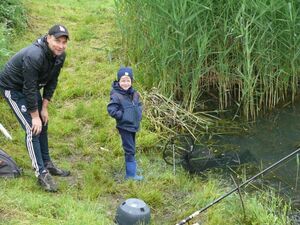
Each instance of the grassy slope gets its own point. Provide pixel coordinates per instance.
(83, 139)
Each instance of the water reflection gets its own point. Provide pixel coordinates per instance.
(275, 136)
(270, 139)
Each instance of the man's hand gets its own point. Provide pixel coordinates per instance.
(36, 123)
(44, 112)
(44, 116)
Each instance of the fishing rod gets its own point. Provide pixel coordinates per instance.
(238, 187)
(5, 132)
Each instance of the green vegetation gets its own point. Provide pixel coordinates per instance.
(237, 54)
(12, 15)
(84, 140)
(12, 21)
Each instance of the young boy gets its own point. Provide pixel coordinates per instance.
(126, 108)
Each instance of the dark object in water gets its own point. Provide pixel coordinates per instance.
(200, 160)
(181, 149)
(177, 148)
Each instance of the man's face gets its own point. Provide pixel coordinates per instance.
(125, 82)
(57, 45)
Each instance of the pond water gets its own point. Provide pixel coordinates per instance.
(273, 137)
(265, 142)
(268, 140)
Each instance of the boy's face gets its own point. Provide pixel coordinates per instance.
(125, 82)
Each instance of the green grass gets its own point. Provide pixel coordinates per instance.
(12, 22)
(83, 139)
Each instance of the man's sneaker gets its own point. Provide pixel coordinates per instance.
(46, 181)
(56, 171)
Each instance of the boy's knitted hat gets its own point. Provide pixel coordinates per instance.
(125, 71)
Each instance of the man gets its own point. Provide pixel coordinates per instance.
(31, 70)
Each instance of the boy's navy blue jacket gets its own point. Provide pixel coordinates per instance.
(125, 107)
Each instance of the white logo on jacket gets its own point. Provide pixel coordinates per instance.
(23, 108)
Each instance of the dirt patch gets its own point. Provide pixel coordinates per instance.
(6, 214)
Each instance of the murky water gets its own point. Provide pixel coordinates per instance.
(267, 141)
(270, 139)
(273, 138)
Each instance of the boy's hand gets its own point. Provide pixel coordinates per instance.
(119, 114)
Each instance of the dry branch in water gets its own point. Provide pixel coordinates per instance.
(166, 114)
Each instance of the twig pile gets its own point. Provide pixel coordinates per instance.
(166, 114)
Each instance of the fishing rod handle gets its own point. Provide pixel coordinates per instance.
(184, 221)
(5, 132)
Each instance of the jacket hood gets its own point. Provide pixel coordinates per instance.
(42, 43)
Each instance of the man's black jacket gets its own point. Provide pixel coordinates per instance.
(31, 69)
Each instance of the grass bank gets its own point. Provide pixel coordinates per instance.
(12, 22)
(84, 140)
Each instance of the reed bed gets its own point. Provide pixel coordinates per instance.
(243, 52)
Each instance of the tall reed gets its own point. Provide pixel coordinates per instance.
(297, 173)
(245, 53)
